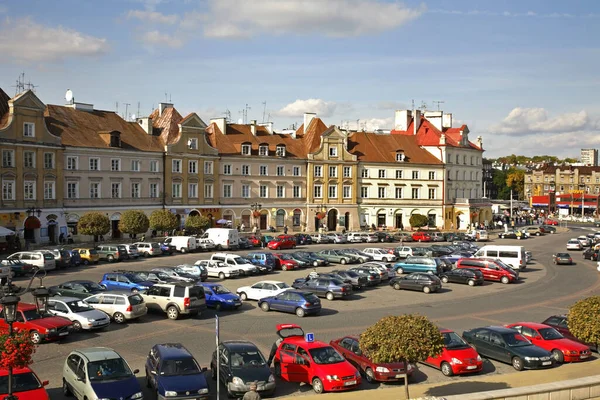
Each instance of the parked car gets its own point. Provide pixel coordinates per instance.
(126, 280)
(303, 239)
(262, 289)
(42, 260)
(418, 281)
(183, 244)
(547, 229)
(404, 237)
(315, 259)
(204, 244)
(509, 346)
(337, 256)
(551, 222)
(360, 255)
(574, 244)
(560, 323)
(297, 302)
(349, 348)
(379, 254)
(244, 244)
(263, 258)
(590, 254)
(421, 237)
(62, 257)
(386, 270)
(438, 237)
(244, 265)
(419, 264)
(282, 242)
(320, 238)
(385, 237)
(457, 357)
(547, 337)
(99, 373)
(565, 258)
(534, 231)
(132, 250)
(79, 289)
(470, 276)
(403, 251)
(80, 314)
(301, 261)
(220, 298)
(492, 270)
(26, 384)
(241, 363)
(155, 276)
(167, 249)
(75, 258)
(356, 279)
(111, 253)
(217, 269)
(18, 267)
(511, 234)
(337, 238)
(330, 288)
(370, 272)
(369, 237)
(41, 326)
(177, 274)
(120, 306)
(148, 249)
(197, 272)
(354, 237)
(175, 299)
(88, 256)
(254, 240)
(171, 370)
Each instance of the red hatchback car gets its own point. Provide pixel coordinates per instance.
(349, 348)
(284, 262)
(551, 222)
(26, 384)
(282, 242)
(457, 358)
(548, 338)
(40, 327)
(491, 270)
(312, 362)
(421, 237)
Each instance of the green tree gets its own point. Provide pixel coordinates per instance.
(163, 220)
(499, 179)
(94, 224)
(195, 223)
(134, 222)
(418, 220)
(584, 320)
(515, 179)
(408, 338)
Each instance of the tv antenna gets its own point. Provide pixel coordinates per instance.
(244, 113)
(438, 102)
(264, 103)
(117, 107)
(127, 111)
(138, 111)
(423, 106)
(227, 115)
(20, 84)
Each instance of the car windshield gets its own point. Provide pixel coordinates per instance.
(20, 383)
(550, 334)
(563, 255)
(349, 274)
(93, 252)
(186, 366)
(31, 315)
(242, 260)
(285, 257)
(78, 306)
(135, 278)
(218, 289)
(325, 355)
(110, 369)
(283, 285)
(91, 286)
(453, 341)
(247, 358)
(135, 299)
(515, 339)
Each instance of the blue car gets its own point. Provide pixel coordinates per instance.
(292, 301)
(173, 373)
(125, 281)
(219, 297)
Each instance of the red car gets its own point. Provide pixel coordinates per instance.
(421, 237)
(310, 361)
(548, 338)
(26, 384)
(285, 262)
(559, 322)
(349, 348)
(551, 222)
(457, 358)
(491, 270)
(40, 327)
(254, 241)
(282, 242)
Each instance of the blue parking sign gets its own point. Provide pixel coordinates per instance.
(309, 337)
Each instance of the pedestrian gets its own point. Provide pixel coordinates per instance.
(243, 227)
(274, 350)
(285, 230)
(61, 238)
(254, 229)
(144, 237)
(252, 394)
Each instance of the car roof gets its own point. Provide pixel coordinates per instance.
(272, 282)
(98, 353)
(115, 292)
(498, 329)
(239, 345)
(66, 299)
(211, 284)
(300, 341)
(169, 351)
(534, 325)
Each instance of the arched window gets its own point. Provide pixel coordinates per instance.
(280, 218)
(296, 217)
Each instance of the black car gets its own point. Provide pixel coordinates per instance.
(313, 257)
(511, 234)
(469, 276)
(302, 239)
(241, 363)
(371, 273)
(547, 229)
(356, 279)
(509, 346)
(330, 288)
(362, 257)
(155, 276)
(589, 254)
(79, 289)
(384, 237)
(565, 258)
(244, 243)
(419, 281)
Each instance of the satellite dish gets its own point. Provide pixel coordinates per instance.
(133, 117)
(69, 95)
(240, 121)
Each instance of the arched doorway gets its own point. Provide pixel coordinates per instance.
(432, 219)
(280, 218)
(264, 217)
(332, 217)
(296, 217)
(31, 231)
(347, 220)
(398, 220)
(246, 219)
(194, 213)
(114, 223)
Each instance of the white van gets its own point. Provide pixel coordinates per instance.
(223, 238)
(233, 260)
(512, 255)
(38, 259)
(183, 244)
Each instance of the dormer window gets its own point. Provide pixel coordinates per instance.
(400, 156)
(192, 144)
(246, 149)
(115, 139)
(280, 150)
(263, 150)
(333, 151)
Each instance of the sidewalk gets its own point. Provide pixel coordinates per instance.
(463, 385)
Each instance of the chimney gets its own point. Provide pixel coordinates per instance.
(81, 106)
(435, 118)
(253, 127)
(480, 142)
(308, 117)
(443, 139)
(146, 124)
(163, 106)
(417, 121)
(268, 126)
(447, 120)
(402, 120)
(221, 124)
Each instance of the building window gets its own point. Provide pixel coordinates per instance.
(94, 164)
(400, 156)
(8, 190)
(71, 163)
(296, 171)
(176, 166)
(208, 167)
(176, 190)
(208, 190)
(332, 191)
(29, 159)
(245, 191)
(398, 192)
(456, 175)
(153, 166)
(398, 174)
(364, 192)
(381, 192)
(153, 190)
(457, 159)
(318, 171)
(415, 193)
(263, 191)
(135, 165)
(246, 149)
(193, 143)
(49, 193)
(465, 160)
(245, 170)
(72, 190)
(347, 172)
(94, 190)
(28, 129)
(347, 192)
(333, 172)
(49, 160)
(432, 194)
(415, 174)
(262, 170)
(227, 190)
(280, 191)
(382, 174)
(193, 190)
(280, 170)
(263, 150)
(333, 151)
(8, 158)
(318, 191)
(226, 169)
(115, 164)
(29, 190)
(135, 190)
(431, 175)
(297, 191)
(115, 190)
(296, 217)
(364, 173)
(280, 151)
(193, 167)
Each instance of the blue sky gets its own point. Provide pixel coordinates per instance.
(523, 74)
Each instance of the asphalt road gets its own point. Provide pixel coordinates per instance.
(545, 289)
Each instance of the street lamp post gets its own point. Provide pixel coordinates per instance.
(582, 188)
(255, 209)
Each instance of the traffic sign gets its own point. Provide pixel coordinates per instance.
(309, 337)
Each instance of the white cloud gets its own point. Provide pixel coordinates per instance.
(531, 121)
(27, 41)
(371, 124)
(153, 17)
(296, 109)
(507, 14)
(156, 38)
(3, 9)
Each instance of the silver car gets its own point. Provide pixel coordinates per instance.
(120, 306)
(83, 316)
(574, 244)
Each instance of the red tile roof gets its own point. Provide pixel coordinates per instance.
(167, 124)
(312, 137)
(4, 109)
(372, 147)
(429, 135)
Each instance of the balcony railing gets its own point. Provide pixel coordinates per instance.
(124, 201)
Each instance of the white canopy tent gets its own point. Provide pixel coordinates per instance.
(6, 232)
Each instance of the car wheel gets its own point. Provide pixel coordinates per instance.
(265, 306)
(517, 363)
(397, 286)
(146, 254)
(329, 296)
(537, 234)
(317, 385)
(426, 289)
(343, 261)
(558, 356)
(218, 307)
(447, 369)
(221, 275)
(277, 369)
(85, 262)
(284, 267)
(172, 312)
(399, 270)
(370, 375)
(444, 279)
(76, 326)
(184, 250)
(518, 237)
(505, 280)
(134, 290)
(65, 389)
(213, 372)
(110, 258)
(148, 385)
(419, 240)
(315, 264)
(300, 312)
(119, 318)
(243, 296)
(35, 336)
(471, 282)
